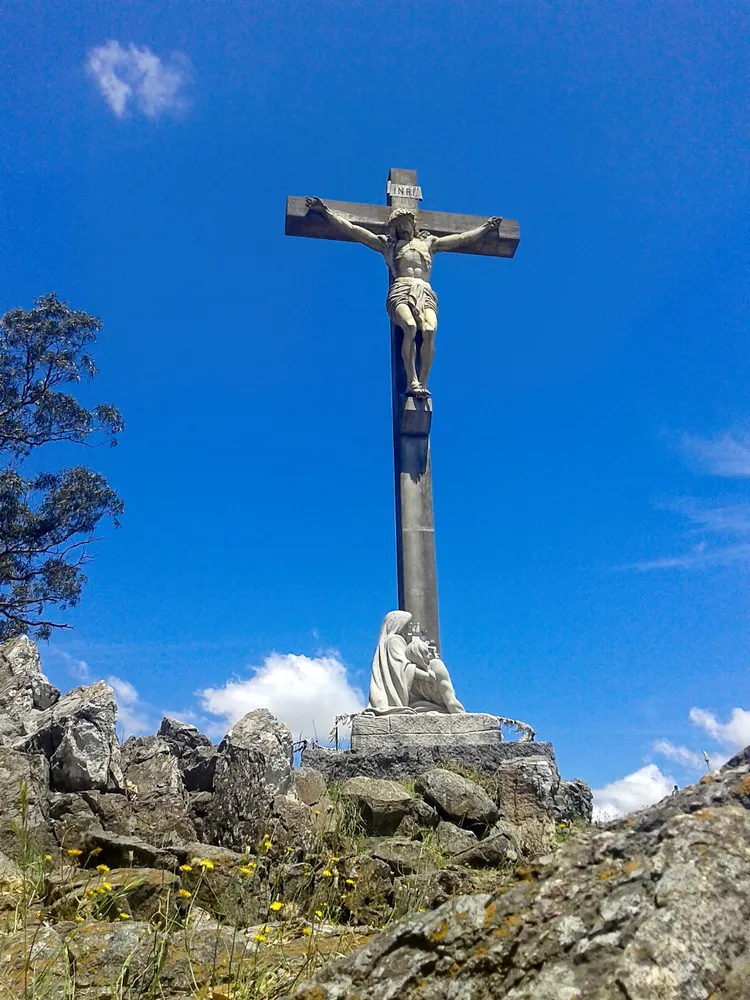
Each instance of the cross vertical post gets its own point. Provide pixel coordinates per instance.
(415, 521)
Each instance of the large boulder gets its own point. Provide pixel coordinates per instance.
(235, 815)
(457, 799)
(150, 768)
(653, 906)
(260, 732)
(380, 804)
(24, 689)
(77, 735)
(194, 753)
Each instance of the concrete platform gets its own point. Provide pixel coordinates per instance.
(386, 733)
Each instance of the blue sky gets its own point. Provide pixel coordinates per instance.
(591, 439)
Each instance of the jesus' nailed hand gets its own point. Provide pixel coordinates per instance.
(411, 303)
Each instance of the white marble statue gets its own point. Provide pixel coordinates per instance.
(407, 674)
(411, 303)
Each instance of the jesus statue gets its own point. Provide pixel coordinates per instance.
(411, 302)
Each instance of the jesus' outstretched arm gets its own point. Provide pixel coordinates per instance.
(357, 233)
(457, 240)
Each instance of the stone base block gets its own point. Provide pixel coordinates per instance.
(383, 733)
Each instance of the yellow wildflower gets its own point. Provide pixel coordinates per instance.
(91, 892)
(47, 857)
(317, 812)
(245, 870)
(124, 916)
(276, 906)
(206, 864)
(289, 850)
(79, 919)
(319, 913)
(306, 931)
(186, 868)
(74, 852)
(350, 881)
(96, 852)
(267, 844)
(260, 937)
(106, 886)
(103, 869)
(333, 861)
(327, 874)
(422, 910)
(185, 893)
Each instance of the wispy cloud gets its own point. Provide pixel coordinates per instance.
(731, 736)
(726, 455)
(135, 79)
(723, 526)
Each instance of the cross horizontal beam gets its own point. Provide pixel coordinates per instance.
(300, 222)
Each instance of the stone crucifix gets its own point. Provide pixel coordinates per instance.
(408, 238)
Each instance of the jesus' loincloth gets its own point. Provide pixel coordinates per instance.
(416, 293)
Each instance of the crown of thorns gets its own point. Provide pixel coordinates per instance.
(401, 213)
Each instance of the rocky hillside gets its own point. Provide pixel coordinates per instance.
(655, 907)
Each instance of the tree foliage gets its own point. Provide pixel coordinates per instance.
(48, 520)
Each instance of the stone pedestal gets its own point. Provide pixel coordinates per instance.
(389, 733)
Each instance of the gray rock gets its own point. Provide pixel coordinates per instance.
(405, 857)
(654, 906)
(235, 815)
(310, 785)
(452, 839)
(424, 815)
(182, 737)
(458, 799)
(72, 819)
(370, 899)
(34, 965)
(150, 767)
(31, 772)
(381, 804)
(260, 732)
(290, 825)
(493, 851)
(198, 769)
(23, 687)
(77, 735)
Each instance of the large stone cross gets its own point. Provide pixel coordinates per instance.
(412, 307)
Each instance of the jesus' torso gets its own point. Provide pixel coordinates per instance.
(412, 258)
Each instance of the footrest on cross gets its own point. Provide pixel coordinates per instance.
(416, 416)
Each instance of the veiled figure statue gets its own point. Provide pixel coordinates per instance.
(411, 303)
(407, 674)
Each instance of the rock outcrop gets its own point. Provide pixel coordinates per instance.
(653, 907)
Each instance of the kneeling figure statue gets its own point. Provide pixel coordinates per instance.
(407, 674)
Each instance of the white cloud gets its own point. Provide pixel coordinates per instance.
(727, 455)
(635, 791)
(131, 712)
(734, 735)
(135, 78)
(680, 754)
(306, 693)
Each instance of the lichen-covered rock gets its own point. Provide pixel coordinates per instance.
(381, 804)
(452, 839)
(405, 857)
(30, 772)
(310, 785)
(33, 964)
(370, 899)
(491, 852)
(290, 826)
(72, 819)
(139, 892)
(260, 732)
(457, 799)
(235, 814)
(654, 907)
(77, 735)
(23, 687)
(150, 767)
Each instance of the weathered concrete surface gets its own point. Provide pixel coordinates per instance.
(654, 907)
(385, 733)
